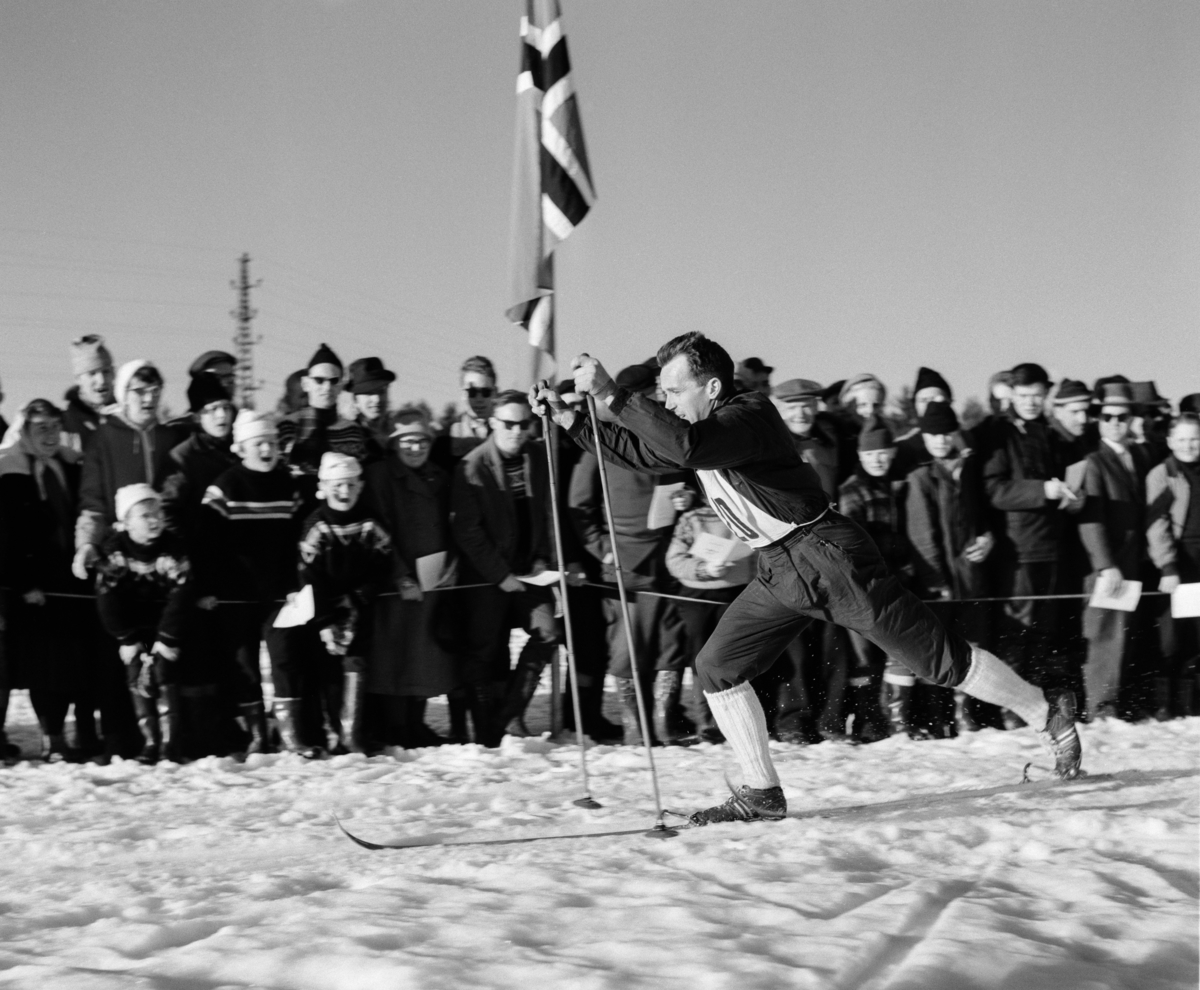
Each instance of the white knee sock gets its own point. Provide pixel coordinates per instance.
(740, 717)
(991, 679)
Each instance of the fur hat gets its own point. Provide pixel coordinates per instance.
(250, 425)
(928, 378)
(130, 495)
(938, 419)
(324, 355)
(338, 467)
(875, 435)
(89, 354)
(203, 389)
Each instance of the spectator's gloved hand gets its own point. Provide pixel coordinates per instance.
(129, 652)
(511, 584)
(1110, 581)
(333, 642)
(34, 596)
(208, 602)
(410, 591)
(85, 558)
(161, 649)
(1168, 583)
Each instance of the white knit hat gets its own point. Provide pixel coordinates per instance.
(130, 495)
(250, 425)
(125, 373)
(338, 467)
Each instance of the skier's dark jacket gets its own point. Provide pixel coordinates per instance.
(744, 437)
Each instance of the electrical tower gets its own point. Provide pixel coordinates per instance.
(244, 340)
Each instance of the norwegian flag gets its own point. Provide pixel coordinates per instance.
(552, 184)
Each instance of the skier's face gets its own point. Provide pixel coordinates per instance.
(689, 399)
(144, 522)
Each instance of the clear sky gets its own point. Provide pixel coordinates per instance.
(834, 187)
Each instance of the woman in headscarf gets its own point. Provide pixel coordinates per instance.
(407, 664)
(44, 634)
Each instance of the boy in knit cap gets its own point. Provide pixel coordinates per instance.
(92, 368)
(143, 591)
(346, 556)
(246, 559)
(873, 497)
(948, 531)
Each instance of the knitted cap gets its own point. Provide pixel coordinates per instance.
(324, 355)
(203, 389)
(939, 419)
(125, 374)
(89, 354)
(338, 467)
(250, 425)
(875, 435)
(210, 359)
(928, 378)
(130, 495)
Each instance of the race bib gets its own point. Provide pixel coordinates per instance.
(747, 521)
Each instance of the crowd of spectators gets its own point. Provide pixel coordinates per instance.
(379, 559)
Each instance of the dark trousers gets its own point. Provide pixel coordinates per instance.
(830, 570)
(1122, 654)
(658, 632)
(50, 707)
(1035, 640)
(239, 631)
(490, 613)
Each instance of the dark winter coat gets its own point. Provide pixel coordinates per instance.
(820, 450)
(199, 461)
(80, 421)
(1113, 522)
(120, 454)
(249, 529)
(944, 516)
(43, 644)
(1025, 455)
(642, 550)
(144, 590)
(406, 654)
(483, 518)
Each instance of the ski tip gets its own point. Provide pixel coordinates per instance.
(587, 802)
(354, 838)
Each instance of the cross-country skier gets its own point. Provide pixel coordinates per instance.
(813, 562)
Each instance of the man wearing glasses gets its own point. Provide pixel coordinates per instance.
(1113, 530)
(500, 502)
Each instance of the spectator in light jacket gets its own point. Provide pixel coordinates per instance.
(1173, 531)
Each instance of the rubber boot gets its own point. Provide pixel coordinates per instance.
(8, 751)
(254, 722)
(148, 726)
(287, 717)
(483, 708)
(54, 747)
(630, 723)
(354, 693)
(332, 698)
(870, 723)
(668, 685)
(1184, 696)
(170, 720)
(899, 701)
(1162, 699)
(458, 704)
(522, 683)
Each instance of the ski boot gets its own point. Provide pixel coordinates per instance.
(1060, 738)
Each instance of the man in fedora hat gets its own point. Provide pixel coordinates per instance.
(1151, 420)
(1113, 529)
(369, 381)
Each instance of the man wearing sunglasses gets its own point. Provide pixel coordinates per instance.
(500, 502)
(1113, 530)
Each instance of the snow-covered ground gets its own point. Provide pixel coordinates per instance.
(222, 874)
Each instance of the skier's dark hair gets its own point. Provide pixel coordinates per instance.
(705, 359)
